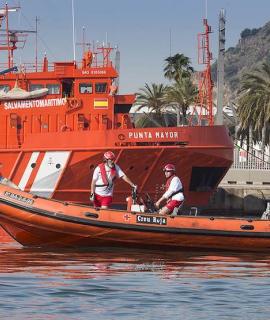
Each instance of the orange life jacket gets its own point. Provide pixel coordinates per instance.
(168, 182)
(104, 176)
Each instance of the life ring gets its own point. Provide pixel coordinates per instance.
(74, 103)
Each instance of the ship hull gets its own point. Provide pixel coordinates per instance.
(62, 169)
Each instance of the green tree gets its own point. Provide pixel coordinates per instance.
(254, 104)
(177, 67)
(151, 97)
(180, 96)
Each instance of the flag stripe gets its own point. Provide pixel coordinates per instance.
(101, 103)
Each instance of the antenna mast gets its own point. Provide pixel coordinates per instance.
(73, 32)
(205, 80)
(11, 40)
(220, 68)
(117, 66)
(36, 58)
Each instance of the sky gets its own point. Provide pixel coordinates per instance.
(140, 28)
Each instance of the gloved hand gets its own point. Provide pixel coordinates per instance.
(92, 197)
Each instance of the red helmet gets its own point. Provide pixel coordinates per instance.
(169, 167)
(109, 155)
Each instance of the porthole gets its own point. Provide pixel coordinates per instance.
(58, 166)
(33, 165)
(121, 136)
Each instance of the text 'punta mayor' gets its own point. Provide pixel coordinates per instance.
(153, 135)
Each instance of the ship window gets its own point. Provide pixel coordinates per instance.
(34, 87)
(101, 87)
(53, 88)
(205, 179)
(86, 88)
(4, 87)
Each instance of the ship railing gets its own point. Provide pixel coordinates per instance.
(96, 64)
(250, 159)
(28, 67)
(31, 67)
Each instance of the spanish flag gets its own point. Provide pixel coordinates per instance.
(101, 103)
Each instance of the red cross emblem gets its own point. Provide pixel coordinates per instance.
(126, 217)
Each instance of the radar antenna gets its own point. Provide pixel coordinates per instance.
(11, 40)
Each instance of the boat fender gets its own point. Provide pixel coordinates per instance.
(129, 203)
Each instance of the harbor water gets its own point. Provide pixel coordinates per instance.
(131, 284)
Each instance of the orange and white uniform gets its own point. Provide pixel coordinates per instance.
(103, 187)
(174, 184)
(174, 192)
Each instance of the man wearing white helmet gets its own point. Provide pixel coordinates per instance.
(103, 181)
(174, 191)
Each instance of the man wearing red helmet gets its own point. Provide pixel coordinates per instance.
(103, 181)
(174, 191)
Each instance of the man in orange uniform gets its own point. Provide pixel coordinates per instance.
(103, 181)
(174, 191)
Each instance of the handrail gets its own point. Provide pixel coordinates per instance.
(249, 159)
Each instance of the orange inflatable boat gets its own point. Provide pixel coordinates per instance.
(35, 221)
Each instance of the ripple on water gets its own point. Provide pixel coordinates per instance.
(132, 284)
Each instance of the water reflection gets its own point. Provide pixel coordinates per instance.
(122, 284)
(84, 264)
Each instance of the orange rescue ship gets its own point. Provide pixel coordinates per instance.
(58, 119)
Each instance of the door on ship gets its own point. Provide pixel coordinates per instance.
(68, 88)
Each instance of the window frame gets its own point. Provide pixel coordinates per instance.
(101, 83)
(54, 84)
(38, 86)
(85, 85)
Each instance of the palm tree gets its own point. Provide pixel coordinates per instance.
(177, 67)
(151, 97)
(254, 103)
(181, 95)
